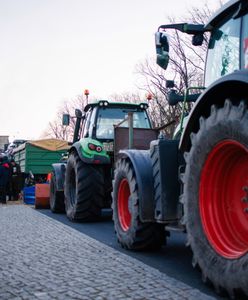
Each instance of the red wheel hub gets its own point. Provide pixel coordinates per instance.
(224, 199)
(123, 210)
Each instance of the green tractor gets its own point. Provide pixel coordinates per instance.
(82, 184)
(197, 182)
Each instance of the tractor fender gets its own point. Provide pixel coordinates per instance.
(59, 173)
(232, 86)
(142, 165)
(89, 158)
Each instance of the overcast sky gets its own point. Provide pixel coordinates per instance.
(51, 50)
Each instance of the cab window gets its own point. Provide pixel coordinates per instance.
(223, 52)
(86, 124)
(244, 46)
(107, 118)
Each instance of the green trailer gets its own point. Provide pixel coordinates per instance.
(36, 157)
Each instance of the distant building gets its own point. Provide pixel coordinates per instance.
(4, 141)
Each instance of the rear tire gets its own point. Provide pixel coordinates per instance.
(131, 232)
(216, 198)
(84, 190)
(57, 201)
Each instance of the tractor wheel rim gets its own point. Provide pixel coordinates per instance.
(124, 214)
(224, 199)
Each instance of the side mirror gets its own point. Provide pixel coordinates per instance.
(78, 113)
(197, 39)
(169, 84)
(162, 49)
(66, 119)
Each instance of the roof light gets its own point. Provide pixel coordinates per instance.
(149, 96)
(143, 106)
(86, 92)
(103, 103)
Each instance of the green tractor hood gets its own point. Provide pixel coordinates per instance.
(91, 151)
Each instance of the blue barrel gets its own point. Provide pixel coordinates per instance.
(29, 194)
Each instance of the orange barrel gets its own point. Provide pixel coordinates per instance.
(42, 195)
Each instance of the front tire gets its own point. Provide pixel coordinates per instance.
(57, 203)
(216, 198)
(131, 232)
(84, 190)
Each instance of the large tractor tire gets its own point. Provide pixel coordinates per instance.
(84, 190)
(131, 232)
(57, 202)
(216, 198)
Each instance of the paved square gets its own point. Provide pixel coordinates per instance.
(41, 258)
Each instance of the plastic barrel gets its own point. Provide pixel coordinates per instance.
(42, 195)
(29, 195)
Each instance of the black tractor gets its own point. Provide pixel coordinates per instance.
(197, 182)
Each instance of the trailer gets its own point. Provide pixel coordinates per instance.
(37, 156)
(35, 159)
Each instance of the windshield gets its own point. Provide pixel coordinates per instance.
(109, 117)
(223, 52)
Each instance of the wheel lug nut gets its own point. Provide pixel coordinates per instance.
(245, 188)
(244, 199)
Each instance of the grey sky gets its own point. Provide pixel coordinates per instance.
(51, 50)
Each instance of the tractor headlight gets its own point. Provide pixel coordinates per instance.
(94, 147)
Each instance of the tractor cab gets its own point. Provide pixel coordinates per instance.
(101, 117)
(228, 45)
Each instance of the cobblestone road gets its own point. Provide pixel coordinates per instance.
(41, 258)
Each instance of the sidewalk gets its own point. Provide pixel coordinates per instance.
(41, 258)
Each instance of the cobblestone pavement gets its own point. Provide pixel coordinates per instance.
(41, 258)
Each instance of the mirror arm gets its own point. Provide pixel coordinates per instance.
(185, 27)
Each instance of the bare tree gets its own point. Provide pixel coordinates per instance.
(126, 97)
(153, 81)
(56, 129)
(186, 68)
